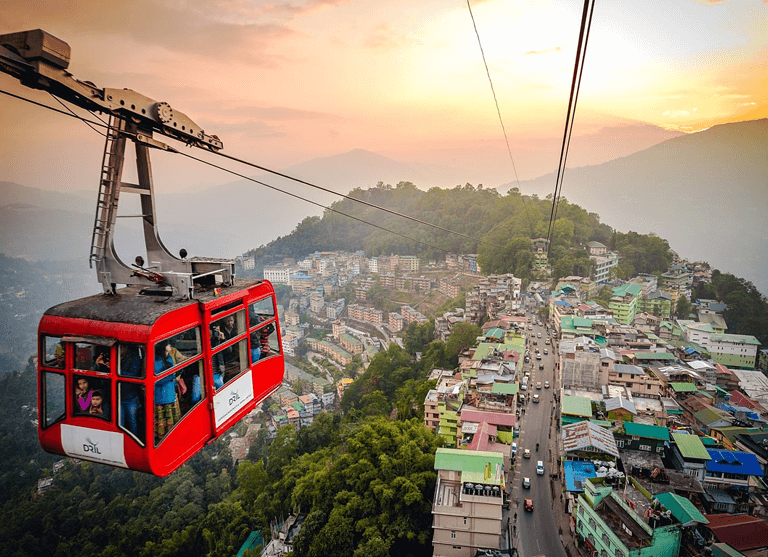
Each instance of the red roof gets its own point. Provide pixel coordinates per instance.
(740, 531)
(739, 399)
(494, 418)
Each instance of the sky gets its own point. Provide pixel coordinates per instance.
(283, 82)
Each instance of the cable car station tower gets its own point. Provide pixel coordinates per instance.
(39, 61)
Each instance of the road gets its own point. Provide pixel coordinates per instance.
(537, 531)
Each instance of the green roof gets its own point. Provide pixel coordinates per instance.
(351, 340)
(484, 348)
(576, 406)
(633, 289)
(648, 431)
(603, 423)
(505, 388)
(495, 332)
(473, 465)
(691, 446)
(683, 387)
(708, 441)
(654, 356)
(298, 406)
(741, 339)
(681, 508)
(725, 550)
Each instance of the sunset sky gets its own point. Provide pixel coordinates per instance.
(284, 82)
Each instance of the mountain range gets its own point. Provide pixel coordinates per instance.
(704, 192)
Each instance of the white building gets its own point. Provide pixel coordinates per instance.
(278, 274)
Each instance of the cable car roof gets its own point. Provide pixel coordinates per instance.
(129, 305)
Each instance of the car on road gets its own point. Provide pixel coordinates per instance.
(546, 351)
(539, 468)
(538, 386)
(538, 356)
(527, 483)
(546, 341)
(535, 398)
(527, 453)
(541, 366)
(538, 335)
(529, 505)
(546, 384)
(514, 448)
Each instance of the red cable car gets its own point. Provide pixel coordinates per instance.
(143, 376)
(144, 382)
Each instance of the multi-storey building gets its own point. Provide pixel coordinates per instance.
(611, 527)
(316, 302)
(624, 303)
(396, 322)
(450, 288)
(351, 344)
(636, 379)
(278, 274)
(734, 350)
(467, 509)
(603, 265)
(408, 263)
(410, 315)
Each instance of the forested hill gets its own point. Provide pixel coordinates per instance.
(504, 224)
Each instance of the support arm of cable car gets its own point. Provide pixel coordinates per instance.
(39, 61)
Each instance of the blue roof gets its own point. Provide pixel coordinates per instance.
(576, 473)
(562, 303)
(731, 408)
(733, 462)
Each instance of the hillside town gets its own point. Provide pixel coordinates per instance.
(648, 427)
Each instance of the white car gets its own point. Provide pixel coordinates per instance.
(539, 468)
(514, 448)
(527, 483)
(535, 398)
(527, 453)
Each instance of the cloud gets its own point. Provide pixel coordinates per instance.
(545, 51)
(676, 113)
(296, 9)
(383, 37)
(184, 27)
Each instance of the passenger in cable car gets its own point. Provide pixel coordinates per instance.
(101, 359)
(131, 365)
(98, 406)
(83, 395)
(167, 411)
(255, 346)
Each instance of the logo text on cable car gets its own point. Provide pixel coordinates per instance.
(234, 396)
(91, 447)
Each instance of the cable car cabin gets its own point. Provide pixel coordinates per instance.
(143, 381)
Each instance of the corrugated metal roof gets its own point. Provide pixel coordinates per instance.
(585, 434)
(495, 418)
(648, 431)
(733, 462)
(472, 464)
(681, 508)
(690, 446)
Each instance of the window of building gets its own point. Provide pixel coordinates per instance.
(606, 540)
(453, 534)
(592, 523)
(465, 520)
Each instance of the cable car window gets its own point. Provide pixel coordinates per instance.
(53, 391)
(264, 342)
(193, 389)
(131, 361)
(178, 348)
(229, 362)
(131, 396)
(53, 352)
(170, 391)
(262, 310)
(92, 357)
(227, 328)
(92, 396)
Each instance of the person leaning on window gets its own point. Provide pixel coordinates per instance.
(167, 410)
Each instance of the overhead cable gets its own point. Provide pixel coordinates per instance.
(578, 68)
(493, 91)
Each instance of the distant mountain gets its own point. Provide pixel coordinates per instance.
(706, 193)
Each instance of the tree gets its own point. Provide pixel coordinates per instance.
(463, 335)
(683, 308)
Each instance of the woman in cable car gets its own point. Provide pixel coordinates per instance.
(144, 382)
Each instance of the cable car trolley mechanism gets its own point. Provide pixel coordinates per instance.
(175, 351)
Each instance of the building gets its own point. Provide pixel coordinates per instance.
(351, 344)
(603, 265)
(656, 303)
(316, 302)
(467, 509)
(597, 249)
(301, 283)
(450, 288)
(278, 274)
(690, 455)
(408, 263)
(642, 437)
(636, 379)
(746, 534)
(586, 439)
(583, 369)
(396, 322)
(734, 350)
(624, 303)
(610, 526)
